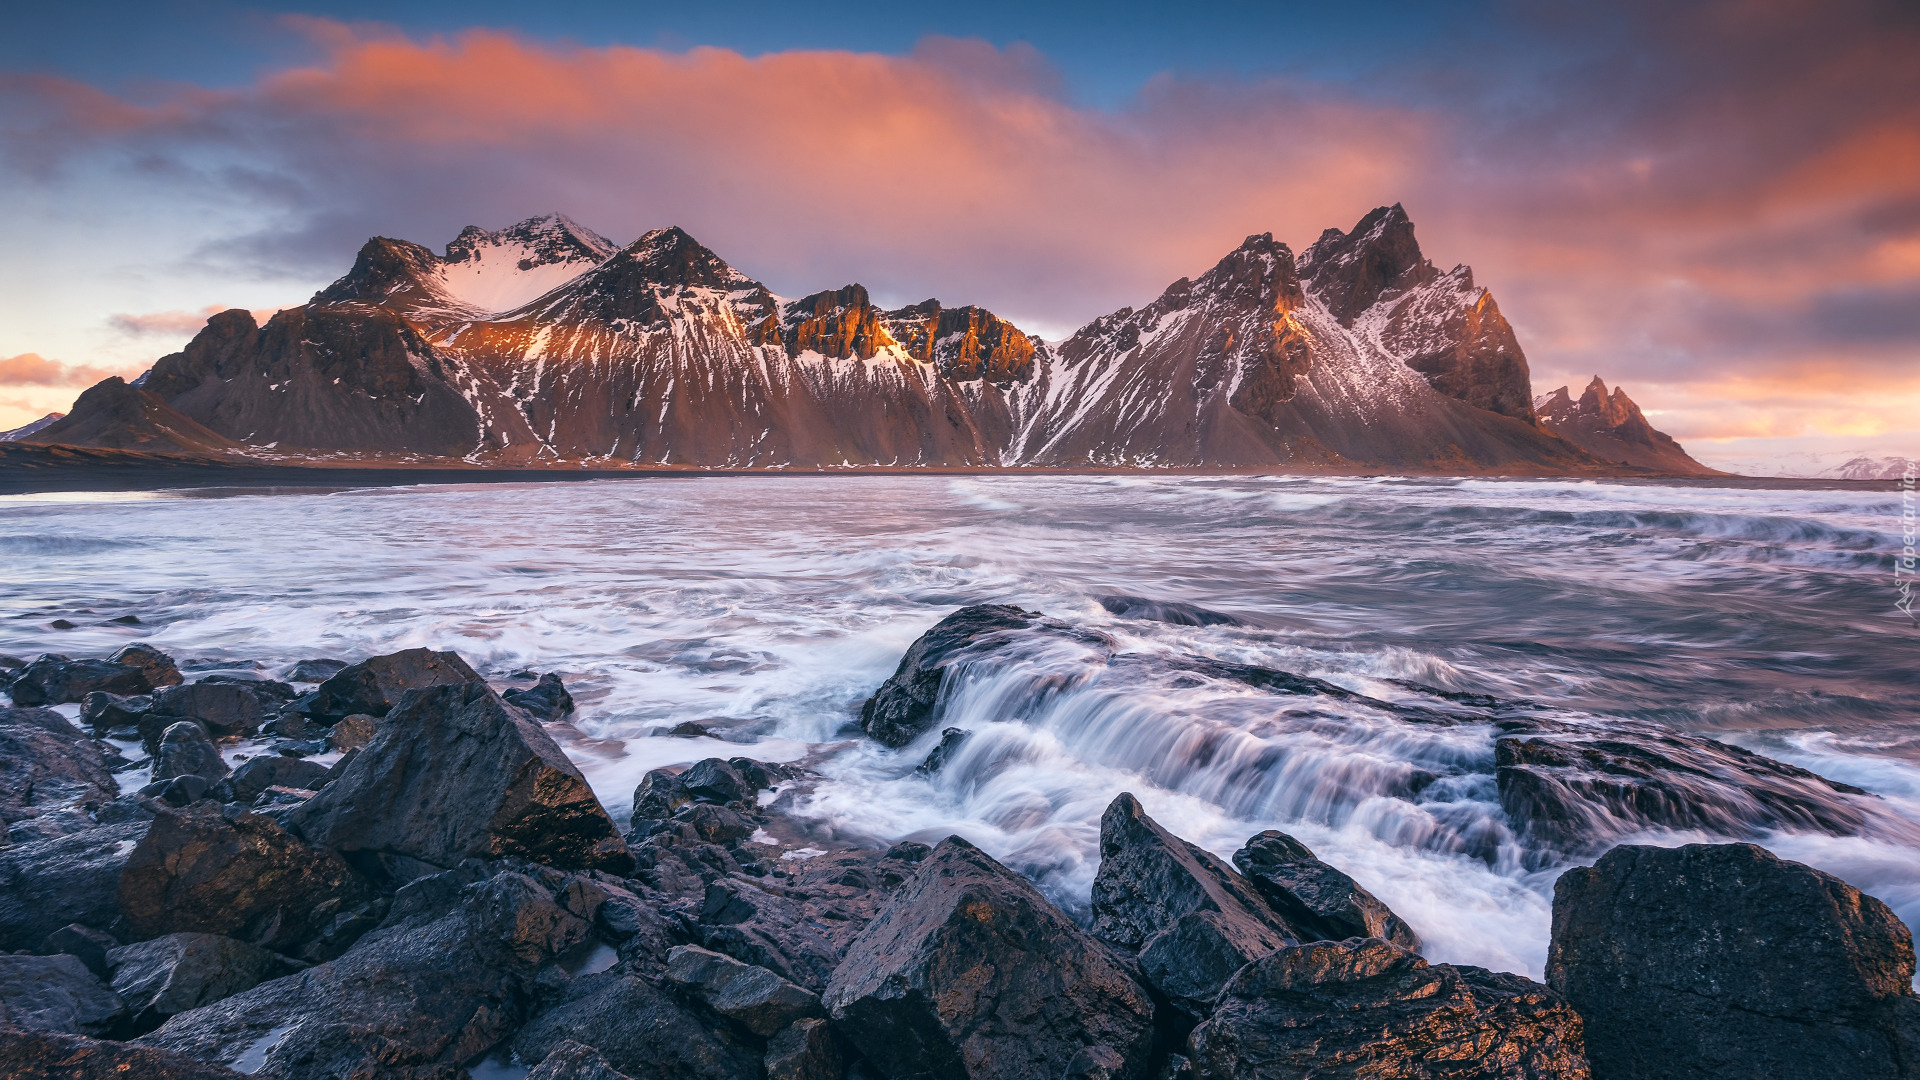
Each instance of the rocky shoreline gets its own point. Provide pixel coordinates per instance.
(445, 897)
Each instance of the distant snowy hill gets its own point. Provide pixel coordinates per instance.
(27, 429)
(1857, 464)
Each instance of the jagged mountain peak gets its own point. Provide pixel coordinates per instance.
(548, 238)
(671, 257)
(1260, 273)
(1350, 271)
(384, 268)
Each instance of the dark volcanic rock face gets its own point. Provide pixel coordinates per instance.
(456, 773)
(968, 972)
(1723, 960)
(39, 1055)
(53, 679)
(1366, 1008)
(1351, 271)
(55, 993)
(117, 416)
(372, 687)
(903, 707)
(1611, 428)
(46, 764)
(48, 884)
(963, 344)
(1319, 901)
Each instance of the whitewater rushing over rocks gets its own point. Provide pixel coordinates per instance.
(1452, 691)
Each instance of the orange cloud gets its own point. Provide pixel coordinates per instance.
(32, 369)
(175, 324)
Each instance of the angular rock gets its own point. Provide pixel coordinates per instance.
(70, 879)
(547, 699)
(55, 680)
(222, 870)
(715, 780)
(639, 1030)
(936, 759)
(223, 708)
(902, 708)
(1367, 1008)
(176, 972)
(969, 972)
(44, 1055)
(1192, 921)
(89, 945)
(448, 976)
(55, 993)
(659, 794)
(569, 1060)
(313, 671)
(715, 824)
(185, 750)
(1317, 900)
(805, 1050)
(753, 997)
(374, 686)
(352, 732)
(454, 773)
(45, 763)
(157, 667)
(105, 712)
(1725, 960)
(256, 775)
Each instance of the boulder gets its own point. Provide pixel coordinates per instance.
(640, 1030)
(903, 707)
(89, 945)
(55, 680)
(55, 993)
(805, 1050)
(222, 870)
(1182, 910)
(256, 775)
(44, 1055)
(1315, 899)
(176, 972)
(224, 709)
(45, 763)
(313, 671)
(185, 750)
(1725, 960)
(937, 758)
(753, 997)
(70, 879)
(658, 795)
(446, 977)
(800, 929)
(969, 972)
(454, 773)
(352, 732)
(1367, 1008)
(547, 699)
(569, 1060)
(715, 780)
(715, 824)
(155, 666)
(374, 686)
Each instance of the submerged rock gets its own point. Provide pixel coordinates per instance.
(547, 699)
(969, 972)
(374, 686)
(55, 993)
(1717, 960)
(1184, 912)
(902, 708)
(454, 773)
(313, 671)
(1367, 1008)
(1318, 900)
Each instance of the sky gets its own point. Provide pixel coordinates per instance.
(1716, 204)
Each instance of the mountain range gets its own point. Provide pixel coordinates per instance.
(548, 343)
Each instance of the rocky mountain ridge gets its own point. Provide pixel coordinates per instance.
(544, 342)
(1612, 428)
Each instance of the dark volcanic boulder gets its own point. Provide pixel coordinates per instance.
(43, 1055)
(69, 879)
(455, 773)
(640, 1030)
(185, 750)
(221, 870)
(1717, 960)
(156, 666)
(715, 780)
(55, 993)
(89, 945)
(314, 671)
(969, 972)
(753, 997)
(1192, 921)
(547, 699)
(374, 686)
(54, 680)
(1367, 1008)
(45, 762)
(177, 972)
(445, 978)
(256, 775)
(1319, 901)
(903, 706)
(806, 1050)
(659, 794)
(224, 708)
(569, 1060)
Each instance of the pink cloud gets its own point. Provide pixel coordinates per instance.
(32, 369)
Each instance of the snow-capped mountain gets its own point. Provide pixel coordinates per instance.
(1845, 464)
(1611, 428)
(545, 342)
(30, 427)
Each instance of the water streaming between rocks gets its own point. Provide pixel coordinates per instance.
(768, 608)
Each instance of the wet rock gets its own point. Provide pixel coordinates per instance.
(1172, 612)
(374, 686)
(313, 671)
(1715, 960)
(950, 741)
(45, 1055)
(70, 879)
(569, 1060)
(1369, 1008)
(805, 1050)
(272, 694)
(176, 972)
(903, 706)
(753, 997)
(800, 930)
(183, 790)
(55, 993)
(547, 699)
(55, 680)
(1183, 911)
(686, 729)
(715, 824)
(446, 977)
(224, 709)
(1576, 791)
(659, 794)
(223, 870)
(89, 945)
(640, 1030)
(104, 712)
(968, 971)
(157, 667)
(256, 775)
(1317, 900)
(352, 732)
(716, 780)
(454, 773)
(185, 750)
(46, 763)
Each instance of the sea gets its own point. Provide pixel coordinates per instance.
(768, 608)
